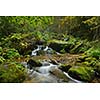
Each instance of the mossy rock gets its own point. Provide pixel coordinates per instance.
(85, 74)
(68, 47)
(12, 72)
(33, 63)
(57, 45)
(65, 67)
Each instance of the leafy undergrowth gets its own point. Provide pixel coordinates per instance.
(12, 72)
(70, 45)
(17, 46)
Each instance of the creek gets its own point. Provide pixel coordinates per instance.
(48, 72)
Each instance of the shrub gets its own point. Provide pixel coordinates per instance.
(94, 52)
(11, 53)
(12, 72)
(1, 59)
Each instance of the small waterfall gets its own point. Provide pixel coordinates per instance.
(34, 52)
(45, 49)
(43, 73)
(46, 67)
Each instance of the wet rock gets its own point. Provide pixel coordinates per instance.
(40, 78)
(33, 63)
(24, 64)
(65, 67)
(45, 63)
(57, 45)
(46, 67)
(59, 74)
(86, 74)
(40, 42)
(40, 52)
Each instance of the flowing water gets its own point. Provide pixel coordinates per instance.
(43, 73)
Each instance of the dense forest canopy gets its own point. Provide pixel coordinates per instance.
(71, 43)
(82, 26)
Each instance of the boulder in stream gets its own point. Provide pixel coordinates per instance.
(85, 74)
(57, 45)
(33, 63)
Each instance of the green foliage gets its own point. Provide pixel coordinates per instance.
(79, 26)
(81, 46)
(19, 41)
(12, 72)
(1, 50)
(82, 73)
(23, 24)
(1, 59)
(19, 35)
(94, 52)
(9, 53)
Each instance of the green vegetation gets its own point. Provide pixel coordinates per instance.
(12, 72)
(19, 35)
(82, 73)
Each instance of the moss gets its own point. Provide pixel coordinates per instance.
(12, 72)
(61, 46)
(57, 45)
(87, 60)
(1, 59)
(93, 52)
(82, 58)
(33, 63)
(86, 63)
(82, 73)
